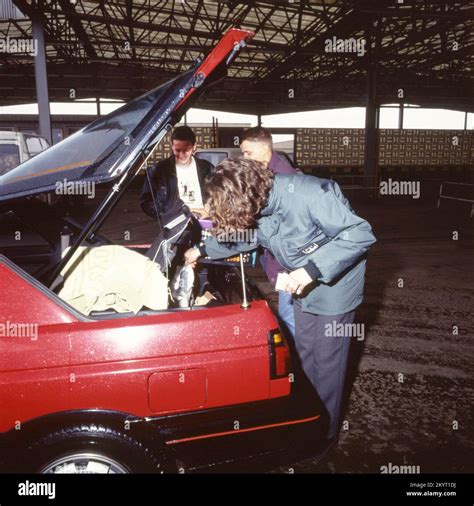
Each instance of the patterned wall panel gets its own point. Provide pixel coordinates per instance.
(329, 146)
(345, 147)
(204, 138)
(425, 147)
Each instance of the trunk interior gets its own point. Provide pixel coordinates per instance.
(32, 235)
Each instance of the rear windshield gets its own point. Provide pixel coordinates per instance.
(213, 157)
(9, 157)
(91, 152)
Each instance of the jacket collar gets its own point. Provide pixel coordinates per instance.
(273, 199)
(273, 160)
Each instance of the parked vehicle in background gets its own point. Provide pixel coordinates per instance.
(17, 147)
(216, 155)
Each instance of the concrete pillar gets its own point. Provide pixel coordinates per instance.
(370, 148)
(400, 117)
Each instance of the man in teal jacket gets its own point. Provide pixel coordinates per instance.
(309, 226)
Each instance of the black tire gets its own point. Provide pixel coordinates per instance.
(74, 446)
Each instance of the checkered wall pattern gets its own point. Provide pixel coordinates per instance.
(345, 147)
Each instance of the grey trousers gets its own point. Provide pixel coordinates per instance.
(323, 358)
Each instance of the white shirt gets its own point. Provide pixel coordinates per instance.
(188, 184)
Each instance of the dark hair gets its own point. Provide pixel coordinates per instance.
(257, 134)
(183, 133)
(236, 193)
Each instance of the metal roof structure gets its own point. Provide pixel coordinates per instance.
(306, 54)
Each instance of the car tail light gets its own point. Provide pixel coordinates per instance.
(279, 354)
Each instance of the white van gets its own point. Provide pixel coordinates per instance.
(17, 147)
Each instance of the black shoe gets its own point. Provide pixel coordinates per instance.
(321, 450)
(326, 447)
(313, 453)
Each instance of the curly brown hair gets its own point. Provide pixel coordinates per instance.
(235, 194)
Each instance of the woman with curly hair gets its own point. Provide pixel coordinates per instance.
(309, 226)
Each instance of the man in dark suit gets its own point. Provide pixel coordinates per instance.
(173, 190)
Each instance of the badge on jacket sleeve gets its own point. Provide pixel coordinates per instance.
(321, 240)
(309, 249)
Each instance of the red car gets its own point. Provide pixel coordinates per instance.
(142, 391)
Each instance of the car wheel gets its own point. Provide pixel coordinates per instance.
(92, 449)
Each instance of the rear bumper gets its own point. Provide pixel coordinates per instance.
(204, 440)
(241, 433)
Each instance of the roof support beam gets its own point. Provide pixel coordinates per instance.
(76, 25)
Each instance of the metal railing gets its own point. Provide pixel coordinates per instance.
(441, 196)
(348, 182)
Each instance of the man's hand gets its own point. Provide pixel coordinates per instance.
(297, 281)
(191, 256)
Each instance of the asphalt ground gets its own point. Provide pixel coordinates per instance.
(410, 384)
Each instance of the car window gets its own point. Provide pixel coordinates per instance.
(213, 157)
(33, 145)
(9, 157)
(44, 143)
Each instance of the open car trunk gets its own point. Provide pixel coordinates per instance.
(116, 147)
(110, 151)
(45, 234)
(216, 283)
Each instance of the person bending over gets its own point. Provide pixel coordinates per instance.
(311, 229)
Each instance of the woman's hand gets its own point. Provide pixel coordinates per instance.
(191, 256)
(199, 211)
(297, 281)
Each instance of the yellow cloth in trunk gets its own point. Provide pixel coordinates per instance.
(114, 277)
